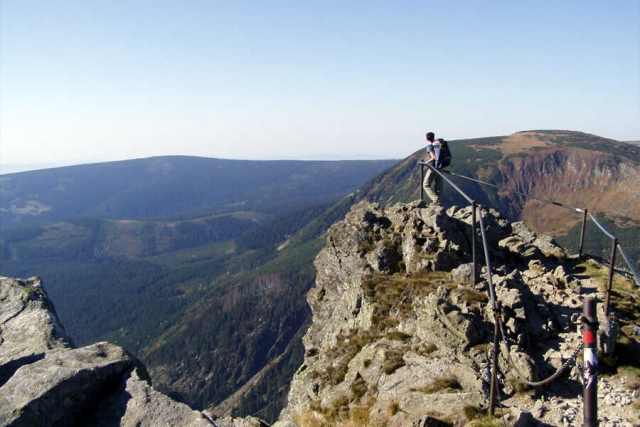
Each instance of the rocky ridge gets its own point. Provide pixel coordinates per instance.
(401, 336)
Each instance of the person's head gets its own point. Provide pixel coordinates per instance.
(430, 136)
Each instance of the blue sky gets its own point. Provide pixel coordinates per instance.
(88, 81)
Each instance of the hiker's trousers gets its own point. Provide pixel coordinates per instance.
(432, 185)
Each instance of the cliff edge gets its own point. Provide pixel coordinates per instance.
(401, 335)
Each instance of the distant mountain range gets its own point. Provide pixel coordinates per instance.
(201, 266)
(163, 187)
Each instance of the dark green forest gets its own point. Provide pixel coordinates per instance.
(175, 309)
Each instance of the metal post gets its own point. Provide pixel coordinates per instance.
(584, 223)
(611, 267)
(421, 181)
(590, 380)
(494, 364)
(473, 242)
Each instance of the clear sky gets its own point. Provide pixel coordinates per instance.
(88, 81)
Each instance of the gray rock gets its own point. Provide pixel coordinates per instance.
(45, 381)
(525, 419)
(60, 388)
(463, 273)
(29, 325)
(607, 335)
(240, 422)
(137, 404)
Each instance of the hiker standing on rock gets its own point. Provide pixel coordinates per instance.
(431, 177)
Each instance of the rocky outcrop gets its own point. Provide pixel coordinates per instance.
(402, 336)
(575, 177)
(46, 381)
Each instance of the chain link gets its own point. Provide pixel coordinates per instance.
(564, 366)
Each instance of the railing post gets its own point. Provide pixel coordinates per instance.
(611, 268)
(590, 380)
(494, 364)
(473, 242)
(584, 223)
(421, 181)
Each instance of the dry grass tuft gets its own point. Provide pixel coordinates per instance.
(398, 336)
(394, 408)
(519, 386)
(310, 419)
(479, 417)
(473, 297)
(473, 412)
(428, 349)
(441, 384)
(485, 421)
(393, 361)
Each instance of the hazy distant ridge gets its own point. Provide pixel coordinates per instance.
(176, 185)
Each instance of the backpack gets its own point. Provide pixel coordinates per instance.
(442, 153)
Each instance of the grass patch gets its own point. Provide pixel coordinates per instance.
(473, 297)
(397, 291)
(343, 352)
(441, 384)
(341, 413)
(600, 274)
(486, 421)
(358, 387)
(479, 417)
(398, 336)
(519, 386)
(393, 361)
(310, 419)
(483, 347)
(471, 412)
(394, 408)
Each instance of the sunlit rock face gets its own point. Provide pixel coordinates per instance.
(401, 335)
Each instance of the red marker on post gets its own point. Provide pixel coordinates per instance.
(590, 380)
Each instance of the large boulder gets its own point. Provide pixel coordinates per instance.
(46, 381)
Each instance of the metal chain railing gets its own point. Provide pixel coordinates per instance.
(499, 326)
(550, 378)
(496, 309)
